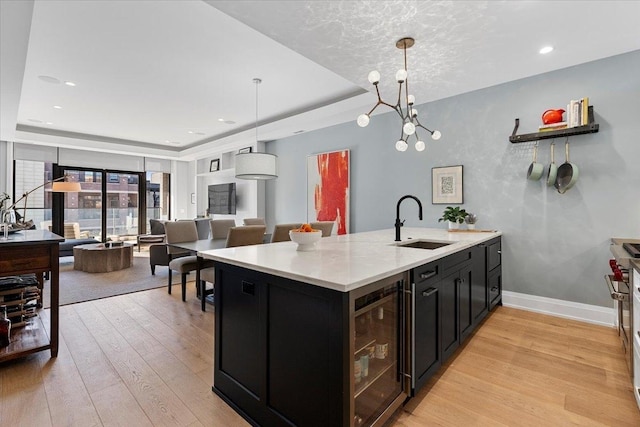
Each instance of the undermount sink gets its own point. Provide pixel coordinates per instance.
(423, 244)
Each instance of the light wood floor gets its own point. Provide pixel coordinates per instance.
(145, 359)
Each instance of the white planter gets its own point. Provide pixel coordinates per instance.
(453, 225)
(471, 226)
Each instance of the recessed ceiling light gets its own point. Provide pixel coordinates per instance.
(546, 49)
(189, 131)
(35, 120)
(57, 107)
(49, 79)
(221, 119)
(49, 123)
(70, 83)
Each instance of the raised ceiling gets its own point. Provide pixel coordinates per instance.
(158, 75)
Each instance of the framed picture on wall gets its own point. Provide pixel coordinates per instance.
(446, 185)
(244, 150)
(214, 165)
(328, 189)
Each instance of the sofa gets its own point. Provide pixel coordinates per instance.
(66, 247)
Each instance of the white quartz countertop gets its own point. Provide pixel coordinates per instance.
(347, 262)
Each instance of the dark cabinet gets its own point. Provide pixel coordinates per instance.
(451, 298)
(426, 333)
(448, 305)
(479, 286)
(494, 271)
(288, 353)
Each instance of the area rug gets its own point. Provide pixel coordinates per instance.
(78, 286)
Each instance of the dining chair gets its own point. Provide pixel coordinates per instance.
(325, 226)
(246, 235)
(179, 259)
(254, 221)
(202, 225)
(281, 232)
(220, 227)
(237, 236)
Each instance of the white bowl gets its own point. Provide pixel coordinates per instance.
(306, 240)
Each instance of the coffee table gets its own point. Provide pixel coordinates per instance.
(102, 258)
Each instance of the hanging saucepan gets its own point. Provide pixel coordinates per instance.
(553, 168)
(535, 169)
(567, 173)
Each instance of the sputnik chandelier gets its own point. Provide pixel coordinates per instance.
(409, 115)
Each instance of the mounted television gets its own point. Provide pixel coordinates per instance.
(222, 199)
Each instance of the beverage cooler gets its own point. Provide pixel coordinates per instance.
(379, 382)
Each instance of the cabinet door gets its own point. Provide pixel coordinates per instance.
(465, 281)
(426, 334)
(479, 289)
(495, 287)
(241, 329)
(448, 307)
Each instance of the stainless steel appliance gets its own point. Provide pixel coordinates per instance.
(379, 380)
(635, 286)
(620, 292)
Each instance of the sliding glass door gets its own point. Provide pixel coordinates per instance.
(107, 206)
(122, 205)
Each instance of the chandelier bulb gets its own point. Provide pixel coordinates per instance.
(374, 77)
(414, 112)
(409, 128)
(401, 145)
(363, 120)
(411, 99)
(420, 146)
(401, 75)
(436, 135)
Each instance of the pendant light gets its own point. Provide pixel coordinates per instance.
(256, 165)
(408, 114)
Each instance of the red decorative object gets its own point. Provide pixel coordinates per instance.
(328, 188)
(552, 116)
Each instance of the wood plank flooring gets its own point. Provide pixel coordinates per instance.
(145, 359)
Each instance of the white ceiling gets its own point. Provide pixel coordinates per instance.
(155, 76)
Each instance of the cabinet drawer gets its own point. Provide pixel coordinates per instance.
(494, 254)
(494, 283)
(455, 261)
(426, 273)
(17, 258)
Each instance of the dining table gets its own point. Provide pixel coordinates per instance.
(195, 247)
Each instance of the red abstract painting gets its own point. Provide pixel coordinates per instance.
(328, 189)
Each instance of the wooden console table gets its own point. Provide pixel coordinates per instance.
(33, 251)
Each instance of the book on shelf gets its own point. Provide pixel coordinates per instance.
(578, 112)
(552, 126)
(584, 104)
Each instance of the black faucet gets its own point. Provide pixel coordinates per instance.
(400, 223)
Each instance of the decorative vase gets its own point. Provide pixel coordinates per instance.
(453, 225)
(471, 226)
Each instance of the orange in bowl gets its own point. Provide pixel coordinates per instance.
(306, 240)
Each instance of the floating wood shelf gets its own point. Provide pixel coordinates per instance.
(591, 127)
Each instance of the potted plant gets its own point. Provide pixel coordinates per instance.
(455, 216)
(471, 220)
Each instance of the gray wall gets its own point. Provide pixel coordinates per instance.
(554, 245)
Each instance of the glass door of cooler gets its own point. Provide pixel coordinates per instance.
(377, 379)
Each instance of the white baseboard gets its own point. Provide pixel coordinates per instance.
(554, 307)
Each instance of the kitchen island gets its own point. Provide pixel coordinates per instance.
(294, 329)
